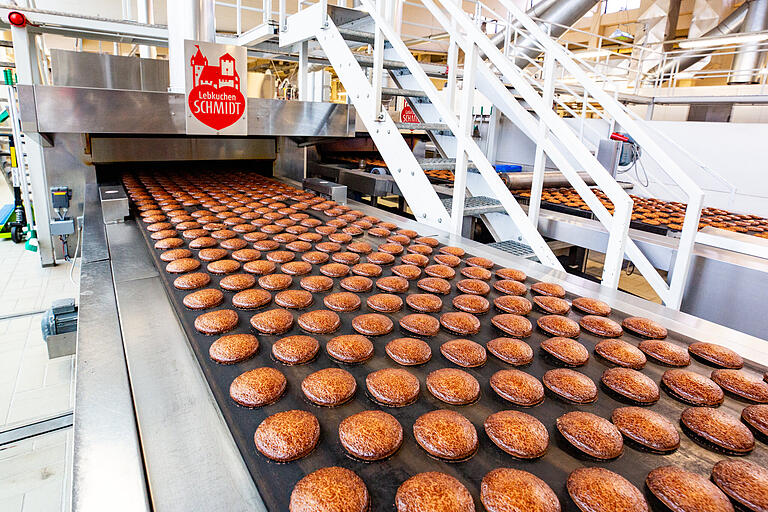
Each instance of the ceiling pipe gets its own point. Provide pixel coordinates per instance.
(687, 59)
(537, 11)
(746, 62)
(187, 19)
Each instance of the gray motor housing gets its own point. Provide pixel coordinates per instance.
(60, 318)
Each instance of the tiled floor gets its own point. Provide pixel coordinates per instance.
(34, 473)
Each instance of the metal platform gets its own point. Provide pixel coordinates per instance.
(477, 205)
(440, 164)
(516, 248)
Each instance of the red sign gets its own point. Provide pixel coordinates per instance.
(407, 115)
(215, 96)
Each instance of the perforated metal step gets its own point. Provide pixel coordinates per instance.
(440, 164)
(516, 248)
(477, 205)
(422, 126)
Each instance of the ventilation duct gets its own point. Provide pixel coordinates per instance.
(747, 61)
(687, 59)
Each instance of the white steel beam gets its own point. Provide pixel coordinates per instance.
(537, 185)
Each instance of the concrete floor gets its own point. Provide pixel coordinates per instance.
(35, 473)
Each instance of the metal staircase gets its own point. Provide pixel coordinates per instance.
(526, 97)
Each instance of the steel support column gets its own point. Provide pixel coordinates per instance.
(187, 19)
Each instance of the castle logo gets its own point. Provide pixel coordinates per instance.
(216, 95)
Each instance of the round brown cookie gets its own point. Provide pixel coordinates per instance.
(601, 326)
(175, 254)
(352, 230)
(665, 352)
(453, 386)
(329, 387)
(379, 232)
(448, 259)
(316, 284)
(744, 482)
(477, 261)
(222, 234)
(216, 322)
(514, 490)
(202, 242)
(158, 227)
(257, 388)
(342, 301)
(371, 435)
(426, 240)
(347, 258)
(173, 243)
(441, 271)
(514, 325)
(251, 299)
(570, 385)
(591, 434)
(256, 236)
(293, 299)
(460, 322)
(644, 327)
(646, 428)
(181, 265)
(601, 490)
(385, 303)
(408, 351)
(357, 284)
(557, 325)
(552, 305)
(192, 281)
(328, 247)
(756, 417)
(434, 285)
(274, 282)
(367, 270)
(741, 384)
(621, 353)
(380, 258)
(296, 349)
(223, 266)
(212, 254)
(517, 433)
(372, 324)
(683, 491)
(455, 251)
(476, 273)
(713, 427)
(259, 267)
(233, 244)
(392, 284)
(510, 350)
(237, 282)
(287, 435)
(446, 434)
(631, 384)
(510, 287)
(274, 321)
(315, 257)
(296, 268)
(298, 246)
(591, 306)
(475, 304)
(203, 299)
(420, 324)
(393, 387)
(350, 348)
(464, 353)
(553, 289)
(511, 273)
(285, 238)
(716, 355)
(420, 249)
(474, 286)
(692, 388)
(566, 350)
(513, 304)
(186, 224)
(391, 248)
(320, 321)
(233, 348)
(409, 272)
(433, 492)
(334, 269)
(424, 302)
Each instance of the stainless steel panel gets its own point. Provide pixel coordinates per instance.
(86, 69)
(85, 110)
(128, 264)
(191, 459)
(27, 108)
(290, 159)
(108, 471)
(328, 189)
(166, 149)
(366, 183)
(94, 236)
(114, 203)
(154, 75)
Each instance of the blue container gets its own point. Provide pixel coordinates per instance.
(509, 168)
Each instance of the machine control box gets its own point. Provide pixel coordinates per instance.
(60, 197)
(114, 203)
(328, 189)
(62, 227)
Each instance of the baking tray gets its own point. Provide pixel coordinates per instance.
(276, 480)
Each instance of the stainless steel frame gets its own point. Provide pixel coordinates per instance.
(189, 459)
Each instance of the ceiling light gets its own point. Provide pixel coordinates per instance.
(594, 54)
(709, 42)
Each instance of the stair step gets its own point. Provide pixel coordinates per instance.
(476, 205)
(440, 164)
(422, 126)
(356, 35)
(408, 93)
(516, 248)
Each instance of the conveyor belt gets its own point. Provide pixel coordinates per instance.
(275, 481)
